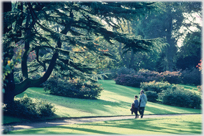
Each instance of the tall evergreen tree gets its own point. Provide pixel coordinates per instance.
(50, 28)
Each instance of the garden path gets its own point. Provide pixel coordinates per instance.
(57, 122)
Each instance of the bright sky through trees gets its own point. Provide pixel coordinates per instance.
(190, 18)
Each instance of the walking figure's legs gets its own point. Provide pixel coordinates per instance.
(142, 111)
(136, 115)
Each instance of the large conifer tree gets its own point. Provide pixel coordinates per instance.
(50, 29)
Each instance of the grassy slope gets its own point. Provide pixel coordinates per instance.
(114, 100)
(189, 124)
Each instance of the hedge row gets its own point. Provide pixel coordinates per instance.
(191, 77)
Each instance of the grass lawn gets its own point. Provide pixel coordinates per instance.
(114, 100)
(185, 125)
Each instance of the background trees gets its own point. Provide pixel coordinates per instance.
(189, 55)
(168, 22)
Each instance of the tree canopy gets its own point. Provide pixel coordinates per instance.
(60, 33)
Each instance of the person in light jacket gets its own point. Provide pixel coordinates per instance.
(142, 103)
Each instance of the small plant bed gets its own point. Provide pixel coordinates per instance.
(179, 125)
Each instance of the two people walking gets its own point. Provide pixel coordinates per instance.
(139, 105)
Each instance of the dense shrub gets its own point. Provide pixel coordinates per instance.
(148, 73)
(130, 80)
(152, 96)
(29, 108)
(155, 86)
(178, 96)
(135, 79)
(172, 77)
(191, 76)
(72, 88)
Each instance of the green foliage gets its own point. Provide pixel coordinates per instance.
(124, 70)
(72, 88)
(29, 108)
(189, 55)
(60, 35)
(151, 96)
(16, 80)
(192, 44)
(152, 27)
(155, 86)
(9, 63)
(178, 96)
(171, 94)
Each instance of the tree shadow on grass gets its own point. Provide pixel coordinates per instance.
(146, 125)
(154, 110)
(61, 130)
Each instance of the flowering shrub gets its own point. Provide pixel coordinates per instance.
(191, 77)
(135, 79)
(199, 88)
(147, 73)
(130, 80)
(199, 66)
(172, 77)
(72, 88)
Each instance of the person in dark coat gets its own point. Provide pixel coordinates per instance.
(134, 107)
